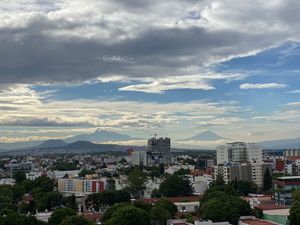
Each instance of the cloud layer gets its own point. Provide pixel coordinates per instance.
(74, 41)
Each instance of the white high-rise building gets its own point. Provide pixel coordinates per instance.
(139, 158)
(239, 152)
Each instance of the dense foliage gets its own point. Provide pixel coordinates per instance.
(267, 181)
(139, 212)
(174, 186)
(222, 203)
(103, 200)
(294, 216)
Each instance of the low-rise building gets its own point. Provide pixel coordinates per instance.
(284, 186)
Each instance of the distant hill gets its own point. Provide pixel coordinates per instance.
(75, 147)
(51, 144)
(281, 144)
(205, 136)
(100, 136)
(19, 145)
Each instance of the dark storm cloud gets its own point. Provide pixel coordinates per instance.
(50, 49)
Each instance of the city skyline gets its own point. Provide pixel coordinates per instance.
(71, 67)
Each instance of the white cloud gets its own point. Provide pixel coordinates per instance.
(262, 86)
(293, 104)
(293, 92)
(195, 81)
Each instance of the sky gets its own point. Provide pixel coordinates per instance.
(138, 67)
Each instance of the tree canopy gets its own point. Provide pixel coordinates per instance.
(129, 215)
(174, 186)
(222, 206)
(267, 182)
(60, 214)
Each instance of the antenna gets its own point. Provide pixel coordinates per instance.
(156, 134)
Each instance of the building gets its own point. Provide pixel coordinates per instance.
(233, 171)
(224, 170)
(81, 185)
(158, 151)
(252, 220)
(291, 152)
(239, 152)
(139, 158)
(284, 186)
(258, 172)
(25, 167)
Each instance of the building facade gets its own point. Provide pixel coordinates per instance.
(284, 187)
(81, 185)
(158, 151)
(239, 152)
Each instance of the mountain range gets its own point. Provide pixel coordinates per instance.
(98, 141)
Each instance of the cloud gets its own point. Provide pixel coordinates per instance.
(262, 86)
(196, 81)
(80, 41)
(293, 104)
(293, 92)
(42, 113)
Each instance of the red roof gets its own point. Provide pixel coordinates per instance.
(193, 198)
(93, 216)
(293, 158)
(257, 222)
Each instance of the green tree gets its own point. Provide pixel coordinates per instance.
(258, 212)
(19, 176)
(136, 180)
(129, 215)
(169, 206)
(49, 200)
(110, 211)
(294, 216)
(75, 220)
(111, 183)
(6, 197)
(70, 202)
(18, 192)
(86, 172)
(159, 215)
(221, 206)
(45, 183)
(162, 211)
(219, 211)
(219, 180)
(244, 187)
(267, 182)
(174, 186)
(60, 214)
(12, 218)
(108, 198)
(155, 194)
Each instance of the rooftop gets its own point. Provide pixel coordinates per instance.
(288, 178)
(257, 222)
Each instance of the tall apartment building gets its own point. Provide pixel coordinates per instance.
(158, 151)
(139, 158)
(239, 152)
(258, 172)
